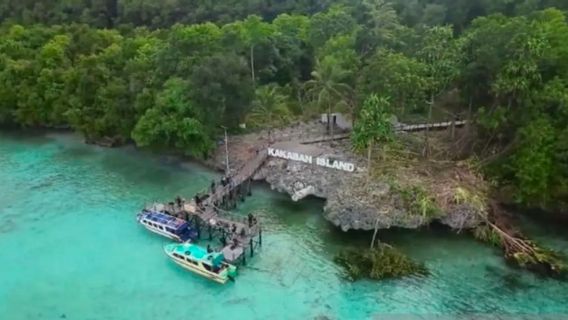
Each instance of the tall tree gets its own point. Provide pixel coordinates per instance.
(439, 53)
(398, 76)
(254, 32)
(326, 87)
(173, 122)
(373, 126)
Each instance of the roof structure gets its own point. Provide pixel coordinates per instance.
(165, 220)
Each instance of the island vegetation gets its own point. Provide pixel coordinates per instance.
(382, 262)
(173, 74)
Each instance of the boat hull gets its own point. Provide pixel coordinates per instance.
(162, 233)
(198, 270)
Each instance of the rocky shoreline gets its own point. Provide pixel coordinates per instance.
(352, 203)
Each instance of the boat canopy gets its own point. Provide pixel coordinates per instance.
(200, 254)
(174, 223)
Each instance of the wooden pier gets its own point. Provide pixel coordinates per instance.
(209, 212)
(429, 126)
(400, 127)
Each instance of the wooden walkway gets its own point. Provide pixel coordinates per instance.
(430, 126)
(320, 139)
(238, 231)
(400, 127)
(243, 175)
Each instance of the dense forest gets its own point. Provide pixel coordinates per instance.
(173, 73)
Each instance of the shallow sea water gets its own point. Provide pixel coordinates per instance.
(70, 248)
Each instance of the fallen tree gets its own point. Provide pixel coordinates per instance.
(498, 229)
(382, 262)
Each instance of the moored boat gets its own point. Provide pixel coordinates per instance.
(210, 265)
(167, 226)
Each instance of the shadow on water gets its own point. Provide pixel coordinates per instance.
(508, 279)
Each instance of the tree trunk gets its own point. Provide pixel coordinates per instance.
(332, 126)
(369, 159)
(328, 118)
(252, 66)
(427, 132)
(402, 106)
(469, 114)
(375, 234)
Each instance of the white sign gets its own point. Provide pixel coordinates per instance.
(322, 162)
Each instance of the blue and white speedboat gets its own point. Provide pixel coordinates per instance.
(167, 226)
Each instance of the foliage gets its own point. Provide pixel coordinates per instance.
(418, 201)
(487, 234)
(106, 68)
(530, 256)
(374, 123)
(383, 262)
(327, 87)
(269, 108)
(173, 121)
(472, 199)
(398, 76)
(545, 261)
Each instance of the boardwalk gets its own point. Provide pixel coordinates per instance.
(243, 175)
(429, 126)
(321, 139)
(238, 232)
(400, 127)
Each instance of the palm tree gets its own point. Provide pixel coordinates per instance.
(327, 87)
(269, 108)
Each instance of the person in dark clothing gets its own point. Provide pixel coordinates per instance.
(213, 186)
(250, 219)
(234, 228)
(209, 250)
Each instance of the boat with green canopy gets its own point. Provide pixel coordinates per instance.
(210, 265)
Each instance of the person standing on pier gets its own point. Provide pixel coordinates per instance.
(213, 186)
(251, 220)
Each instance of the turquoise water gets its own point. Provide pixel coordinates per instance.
(70, 248)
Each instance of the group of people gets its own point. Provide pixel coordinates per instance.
(225, 181)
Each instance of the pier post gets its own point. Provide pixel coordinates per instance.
(244, 258)
(210, 234)
(251, 248)
(198, 227)
(260, 237)
(249, 189)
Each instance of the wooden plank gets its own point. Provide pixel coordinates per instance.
(424, 126)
